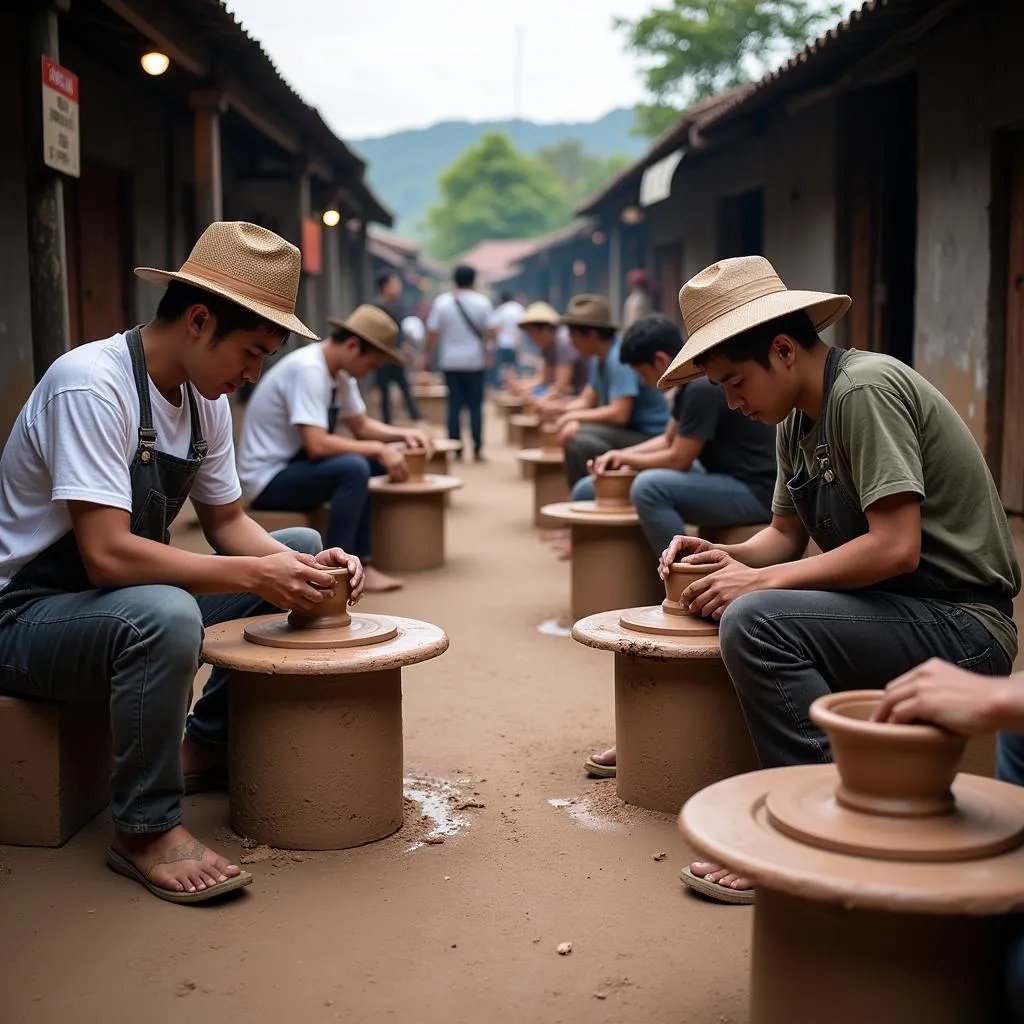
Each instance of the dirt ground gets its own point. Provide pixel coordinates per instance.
(533, 854)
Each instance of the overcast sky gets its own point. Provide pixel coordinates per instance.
(375, 66)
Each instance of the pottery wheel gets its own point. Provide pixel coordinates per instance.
(361, 632)
(607, 510)
(659, 622)
(983, 823)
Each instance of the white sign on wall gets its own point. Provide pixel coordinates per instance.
(60, 119)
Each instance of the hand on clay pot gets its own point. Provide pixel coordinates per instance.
(948, 696)
(336, 558)
(291, 580)
(680, 547)
(714, 593)
(420, 439)
(394, 462)
(609, 460)
(567, 429)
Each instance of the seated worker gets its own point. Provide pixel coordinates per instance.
(564, 371)
(616, 409)
(94, 602)
(967, 704)
(730, 486)
(290, 459)
(878, 469)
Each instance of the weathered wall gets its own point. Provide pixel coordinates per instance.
(958, 115)
(16, 378)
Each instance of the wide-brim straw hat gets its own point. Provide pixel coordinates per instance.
(589, 311)
(375, 327)
(247, 264)
(541, 314)
(730, 297)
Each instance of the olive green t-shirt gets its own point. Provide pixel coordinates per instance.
(891, 432)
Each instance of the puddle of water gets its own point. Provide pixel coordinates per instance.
(437, 798)
(582, 814)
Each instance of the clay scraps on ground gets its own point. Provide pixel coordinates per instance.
(434, 807)
(600, 808)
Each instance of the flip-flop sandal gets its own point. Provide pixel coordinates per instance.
(714, 891)
(125, 867)
(599, 771)
(205, 782)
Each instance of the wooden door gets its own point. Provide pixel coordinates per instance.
(1013, 393)
(668, 263)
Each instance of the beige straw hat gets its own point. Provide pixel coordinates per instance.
(246, 264)
(589, 311)
(730, 297)
(539, 313)
(375, 327)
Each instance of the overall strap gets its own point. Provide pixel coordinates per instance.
(821, 450)
(199, 445)
(147, 435)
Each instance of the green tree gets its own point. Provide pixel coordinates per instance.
(495, 191)
(581, 173)
(692, 50)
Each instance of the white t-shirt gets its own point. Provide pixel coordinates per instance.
(506, 320)
(75, 440)
(458, 347)
(296, 392)
(414, 331)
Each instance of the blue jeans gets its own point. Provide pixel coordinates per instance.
(466, 390)
(666, 500)
(343, 481)
(386, 376)
(140, 646)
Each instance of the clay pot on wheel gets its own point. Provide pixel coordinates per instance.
(680, 576)
(329, 614)
(416, 463)
(611, 488)
(895, 770)
(549, 438)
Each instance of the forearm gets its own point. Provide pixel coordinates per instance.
(336, 444)
(861, 562)
(602, 414)
(242, 535)
(375, 431)
(770, 547)
(650, 454)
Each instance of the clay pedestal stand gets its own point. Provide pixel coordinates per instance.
(528, 429)
(878, 883)
(315, 749)
(408, 522)
(549, 485)
(433, 401)
(678, 724)
(612, 563)
(510, 407)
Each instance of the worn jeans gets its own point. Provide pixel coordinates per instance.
(591, 440)
(466, 390)
(140, 646)
(386, 376)
(343, 481)
(785, 648)
(666, 500)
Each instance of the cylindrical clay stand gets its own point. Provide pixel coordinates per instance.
(549, 484)
(879, 887)
(408, 522)
(315, 747)
(678, 723)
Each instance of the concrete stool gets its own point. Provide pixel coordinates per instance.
(444, 449)
(272, 520)
(433, 401)
(55, 766)
(527, 428)
(678, 722)
(510, 406)
(549, 485)
(315, 748)
(612, 563)
(408, 522)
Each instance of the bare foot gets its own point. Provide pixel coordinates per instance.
(606, 757)
(719, 875)
(175, 860)
(376, 582)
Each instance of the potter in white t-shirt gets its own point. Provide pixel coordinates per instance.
(75, 440)
(295, 393)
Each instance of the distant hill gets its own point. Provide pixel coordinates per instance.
(404, 167)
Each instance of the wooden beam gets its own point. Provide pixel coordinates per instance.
(164, 29)
(259, 114)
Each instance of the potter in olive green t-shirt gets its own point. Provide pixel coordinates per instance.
(891, 432)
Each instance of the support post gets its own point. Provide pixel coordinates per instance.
(207, 107)
(615, 267)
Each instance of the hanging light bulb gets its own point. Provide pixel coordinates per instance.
(155, 63)
(331, 218)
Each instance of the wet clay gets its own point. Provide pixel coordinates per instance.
(671, 618)
(549, 484)
(549, 438)
(416, 463)
(611, 488)
(408, 523)
(886, 865)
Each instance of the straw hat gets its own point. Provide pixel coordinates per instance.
(539, 313)
(730, 297)
(246, 264)
(375, 327)
(589, 311)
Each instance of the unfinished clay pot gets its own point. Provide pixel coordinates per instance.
(680, 576)
(329, 614)
(611, 488)
(549, 438)
(897, 770)
(416, 463)
(671, 618)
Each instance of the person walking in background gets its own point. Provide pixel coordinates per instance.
(389, 299)
(457, 330)
(638, 301)
(503, 330)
